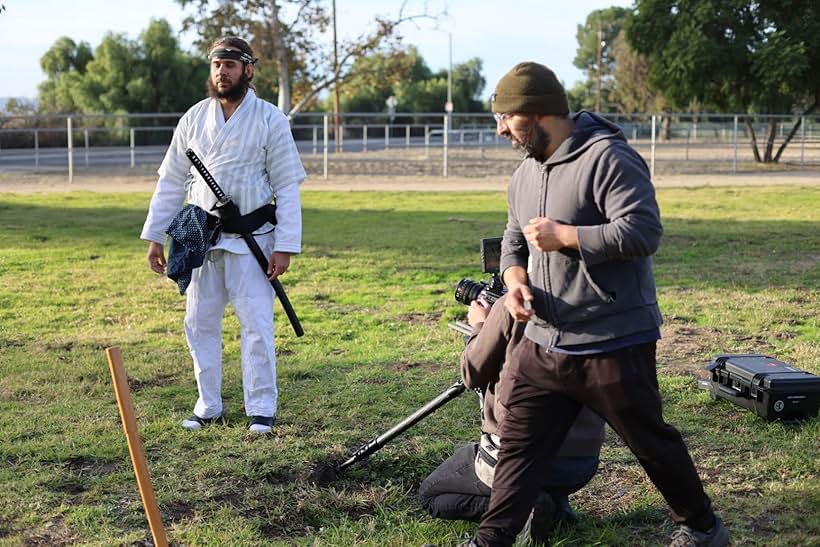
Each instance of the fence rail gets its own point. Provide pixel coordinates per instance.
(414, 143)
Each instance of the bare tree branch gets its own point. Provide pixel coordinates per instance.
(363, 45)
(302, 60)
(795, 127)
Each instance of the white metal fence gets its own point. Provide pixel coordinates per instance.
(411, 143)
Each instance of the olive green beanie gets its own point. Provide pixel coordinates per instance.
(530, 88)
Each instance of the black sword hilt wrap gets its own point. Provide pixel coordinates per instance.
(207, 177)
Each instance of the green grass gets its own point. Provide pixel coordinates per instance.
(738, 271)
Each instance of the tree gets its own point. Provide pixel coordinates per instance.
(20, 107)
(171, 79)
(288, 35)
(468, 85)
(629, 91)
(747, 56)
(374, 78)
(406, 76)
(150, 74)
(581, 96)
(63, 63)
(595, 39)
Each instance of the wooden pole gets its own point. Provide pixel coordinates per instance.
(129, 424)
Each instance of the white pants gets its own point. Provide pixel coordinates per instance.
(238, 279)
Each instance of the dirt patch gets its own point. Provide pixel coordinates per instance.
(685, 349)
(178, 511)
(60, 346)
(55, 533)
(419, 318)
(425, 367)
(322, 473)
(11, 343)
(161, 380)
(91, 467)
(615, 485)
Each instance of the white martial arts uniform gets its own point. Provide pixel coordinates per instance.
(254, 159)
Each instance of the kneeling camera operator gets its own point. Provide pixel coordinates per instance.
(459, 488)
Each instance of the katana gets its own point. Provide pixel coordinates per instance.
(228, 210)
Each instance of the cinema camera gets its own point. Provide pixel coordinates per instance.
(468, 290)
(491, 290)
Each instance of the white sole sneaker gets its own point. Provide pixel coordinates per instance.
(195, 423)
(261, 424)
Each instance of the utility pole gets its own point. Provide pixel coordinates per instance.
(598, 67)
(336, 124)
(449, 106)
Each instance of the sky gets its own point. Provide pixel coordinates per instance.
(498, 33)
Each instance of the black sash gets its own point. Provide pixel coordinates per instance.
(243, 224)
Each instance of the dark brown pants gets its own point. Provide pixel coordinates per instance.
(543, 393)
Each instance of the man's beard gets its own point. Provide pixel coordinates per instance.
(233, 93)
(535, 144)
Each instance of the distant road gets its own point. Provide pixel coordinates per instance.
(17, 159)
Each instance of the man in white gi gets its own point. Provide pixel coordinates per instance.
(246, 143)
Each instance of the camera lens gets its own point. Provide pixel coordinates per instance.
(468, 290)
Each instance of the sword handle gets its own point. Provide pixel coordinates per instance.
(206, 176)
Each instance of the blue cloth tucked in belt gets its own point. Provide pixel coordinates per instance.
(189, 243)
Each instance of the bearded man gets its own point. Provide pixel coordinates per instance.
(583, 223)
(247, 145)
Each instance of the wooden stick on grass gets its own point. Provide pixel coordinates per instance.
(129, 424)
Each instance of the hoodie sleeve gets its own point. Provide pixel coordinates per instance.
(514, 249)
(483, 355)
(624, 193)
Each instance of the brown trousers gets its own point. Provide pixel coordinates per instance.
(544, 393)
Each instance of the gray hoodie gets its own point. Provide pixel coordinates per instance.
(595, 181)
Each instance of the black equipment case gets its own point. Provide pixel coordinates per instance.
(773, 389)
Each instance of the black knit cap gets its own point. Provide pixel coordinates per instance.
(531, 88)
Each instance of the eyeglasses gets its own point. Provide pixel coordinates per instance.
(502, 116)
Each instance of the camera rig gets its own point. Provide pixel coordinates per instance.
(466, 291)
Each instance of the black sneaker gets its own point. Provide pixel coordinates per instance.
(539, 525)
(195, 422)
(261, 424)
(564, 514)
(716, 536)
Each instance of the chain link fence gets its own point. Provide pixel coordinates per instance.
(418, 144)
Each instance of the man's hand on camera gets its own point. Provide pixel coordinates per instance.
(547, 235)
(519, 303)
(478, 312)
